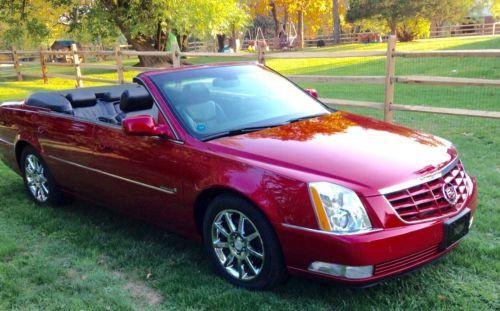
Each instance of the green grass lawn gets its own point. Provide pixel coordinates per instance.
(83, 257)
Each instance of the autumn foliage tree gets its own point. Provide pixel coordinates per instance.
(141, 22)
(29, 23)
(306, 14)
(408, 18)
(392, 11)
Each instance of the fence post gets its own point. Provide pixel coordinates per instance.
(389, 78)
(43, 65)
(17, 67)
(261, 53)
(119, 64)
(176, 56)
(76, 62)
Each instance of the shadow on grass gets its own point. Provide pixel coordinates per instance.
(94, 238)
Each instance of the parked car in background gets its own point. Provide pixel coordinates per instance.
(64, 46)
(270, 179)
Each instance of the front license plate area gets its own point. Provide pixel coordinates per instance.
(456, 228)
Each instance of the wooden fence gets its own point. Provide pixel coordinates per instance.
(389, 80)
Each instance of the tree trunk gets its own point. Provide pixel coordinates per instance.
(285, 21)
(220, 42)
(336, 22)
(393, 27)
(141, 43)
(159, 42)
(138, 42)
(275, 18)
(300, 27)
(183, 42)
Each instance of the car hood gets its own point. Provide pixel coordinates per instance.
(344, 147)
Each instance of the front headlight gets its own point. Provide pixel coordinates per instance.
(338, 209)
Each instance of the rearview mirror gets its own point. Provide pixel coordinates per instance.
(312, 92)
(145, 126)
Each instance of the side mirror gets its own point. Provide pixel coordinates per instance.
(145, 126)
(312, 92)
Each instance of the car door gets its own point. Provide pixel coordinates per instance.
(67, 144)
(141, 176)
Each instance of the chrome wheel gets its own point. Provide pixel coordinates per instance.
(238, 245)
(36, 179)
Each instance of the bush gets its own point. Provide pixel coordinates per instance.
(413, 28)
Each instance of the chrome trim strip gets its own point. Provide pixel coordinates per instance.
(178, 142)
(6, 142)
(329, 232)
(161, 189)
(419, 181)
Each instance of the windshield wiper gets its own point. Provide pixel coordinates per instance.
(250, 129)
(240, 131)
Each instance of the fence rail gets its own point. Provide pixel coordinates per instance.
(389, 80)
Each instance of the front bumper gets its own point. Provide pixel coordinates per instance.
(391, 251)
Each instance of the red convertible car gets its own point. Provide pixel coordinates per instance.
(270, 179)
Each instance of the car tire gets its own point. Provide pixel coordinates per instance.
(246, 252)
(38, 179)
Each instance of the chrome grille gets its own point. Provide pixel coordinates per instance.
(427, 200)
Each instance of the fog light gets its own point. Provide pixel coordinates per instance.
(360, 272)
(350, 272)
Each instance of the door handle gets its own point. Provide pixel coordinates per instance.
(42, 130)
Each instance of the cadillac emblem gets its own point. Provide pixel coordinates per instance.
(450, 193)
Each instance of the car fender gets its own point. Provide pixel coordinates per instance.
(18, 130)
(280, 198)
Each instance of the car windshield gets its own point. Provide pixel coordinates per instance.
(228, 100)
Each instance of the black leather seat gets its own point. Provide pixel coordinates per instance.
(86, 105)
(53, 101)
(106, 104)
(135, 101)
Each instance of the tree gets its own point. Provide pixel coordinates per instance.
(27, 24)
(141, 22)
(265, 8)
(313, 12)
(336, 21)
(441, 11)
(138, 20)
(411, 28)
(392, 11)
(495, 9)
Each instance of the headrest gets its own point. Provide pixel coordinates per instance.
(135, 99)
(53, 101)
(111, 95)
(82, 99)
(197, 92)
